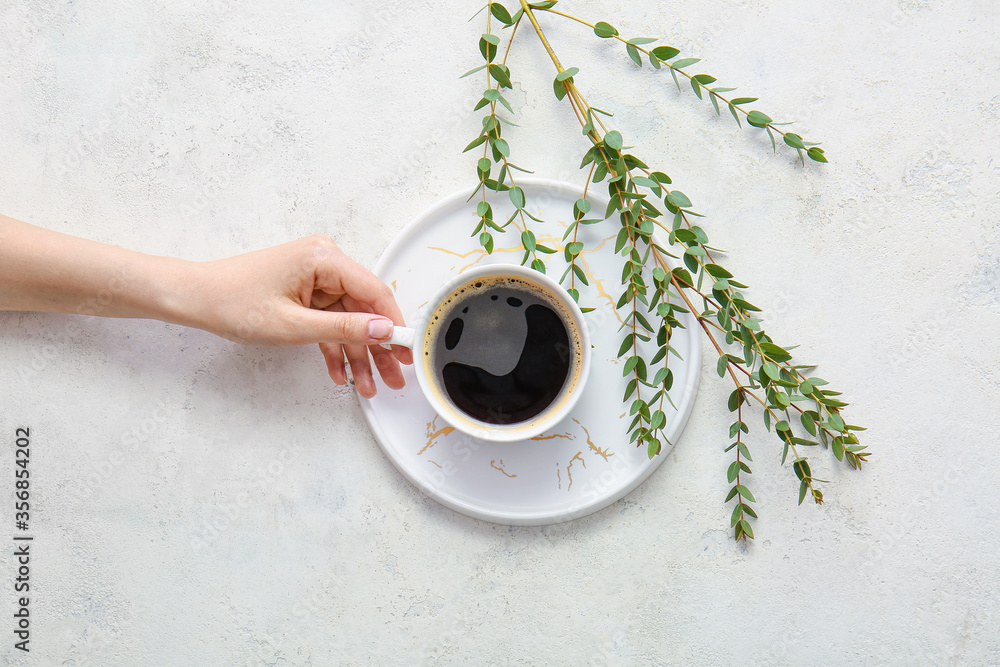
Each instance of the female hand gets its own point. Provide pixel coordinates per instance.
(306, 291)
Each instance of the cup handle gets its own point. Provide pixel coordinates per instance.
(402, 336)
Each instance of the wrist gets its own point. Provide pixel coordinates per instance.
(179, 290)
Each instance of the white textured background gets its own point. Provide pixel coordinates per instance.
(199, 503)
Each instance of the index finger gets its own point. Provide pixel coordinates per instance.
(336, 273)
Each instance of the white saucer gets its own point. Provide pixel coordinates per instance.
(584, 464)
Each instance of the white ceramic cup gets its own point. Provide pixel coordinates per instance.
(424, 340)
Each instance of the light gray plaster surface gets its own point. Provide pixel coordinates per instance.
(201, 503)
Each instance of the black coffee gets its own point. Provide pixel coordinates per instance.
(501, 350)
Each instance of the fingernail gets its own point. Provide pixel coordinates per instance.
(380, 329)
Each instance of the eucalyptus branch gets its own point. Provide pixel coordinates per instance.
(657, 281)
(497, 148)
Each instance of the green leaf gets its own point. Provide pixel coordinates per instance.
(613, 139)
(732, 110)
(604, 30)
(684, 62)
(803, 487)
(758, 119)
(634, 54)
(836, 422)
(735, 399)
(559, 88)
(567, 73)
(808, 422)
(626, 345)
(472, 71)
(488, 46)
(838, 449)
(486, 241)
(737, 514)
(476, 142)
(502, 75)
(501, 13)
(794, 140)
(695, 250)
(502, 146)
(642, 40)
(745, 493)
(743, 100)
(654, 448)
(664, 377)
(538, 265)
(816, 153)
(776, 353)
(734, 470)
(703, 79)
(528, 240)
(717, 271)
(574, 248)
(646, 182)
(630, 365)
(678, 199)
(665, 52)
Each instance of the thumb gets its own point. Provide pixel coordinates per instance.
(324, 326)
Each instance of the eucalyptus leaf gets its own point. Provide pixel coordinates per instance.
(633, 53)
(604, 30)
(684, 62)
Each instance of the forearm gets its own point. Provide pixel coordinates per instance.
(43, 270)
(297, 293)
